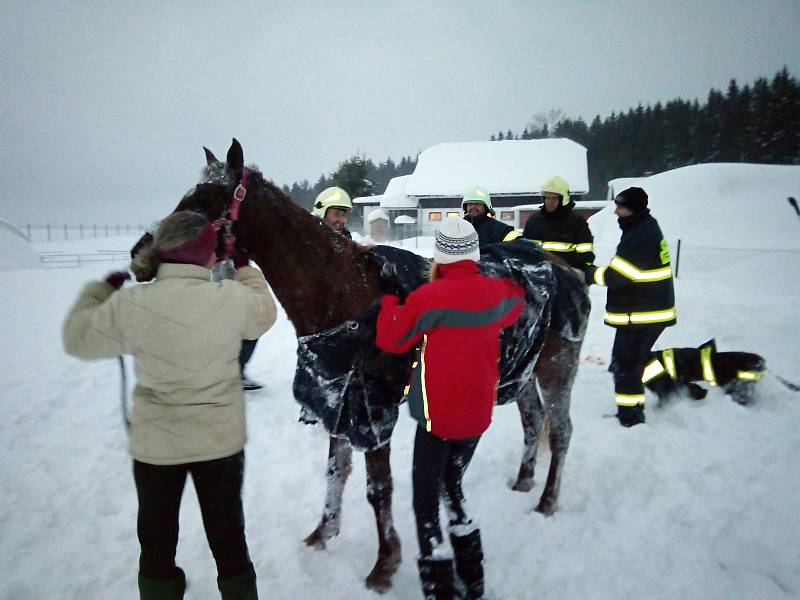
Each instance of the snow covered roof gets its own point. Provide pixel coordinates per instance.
(376, 214)
(16, 252)
(395, 194)
(367, 200)
(720, 205)
(507, 167)
(615, 186)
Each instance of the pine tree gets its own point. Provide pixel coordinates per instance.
(353, 176)
(784, 119)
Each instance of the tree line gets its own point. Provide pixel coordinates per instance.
(758, 123)
(358, 175)
(752, 124)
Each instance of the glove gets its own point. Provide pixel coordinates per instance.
(579, 274)
(117, 278)
(241, 259)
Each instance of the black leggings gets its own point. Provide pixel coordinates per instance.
(218, 484)
(439, 467)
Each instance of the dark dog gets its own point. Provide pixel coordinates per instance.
(676, 371)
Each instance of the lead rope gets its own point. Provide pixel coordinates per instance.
(124, 395)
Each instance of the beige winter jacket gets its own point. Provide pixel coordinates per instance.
(184, 333)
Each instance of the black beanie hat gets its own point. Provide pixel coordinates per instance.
(634, 199)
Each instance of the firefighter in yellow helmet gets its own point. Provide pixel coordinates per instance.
(559, 230)
(478, 210)
(333, 205)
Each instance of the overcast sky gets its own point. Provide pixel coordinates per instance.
(106, 105)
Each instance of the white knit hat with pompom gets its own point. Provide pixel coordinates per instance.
(456, 240)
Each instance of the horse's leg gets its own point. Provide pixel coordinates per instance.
(532, 416)
(340, 458)
(556, 370)
(379, 495)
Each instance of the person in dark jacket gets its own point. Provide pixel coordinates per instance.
(458, 318)
(640, 302)
(478, 211)
(559, 230)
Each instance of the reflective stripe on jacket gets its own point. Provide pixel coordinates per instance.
(562, 232)
(639, 276)
(490, 230)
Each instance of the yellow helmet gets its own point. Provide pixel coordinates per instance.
(557, 185)
(478, 195)
(331, 197)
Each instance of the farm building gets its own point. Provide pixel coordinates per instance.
(512, 171)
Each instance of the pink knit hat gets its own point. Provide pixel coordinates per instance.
(196, 251)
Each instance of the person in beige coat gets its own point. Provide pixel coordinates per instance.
(188, 414)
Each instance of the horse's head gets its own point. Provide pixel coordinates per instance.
(269, 227)
(223, 186)
(213, 195)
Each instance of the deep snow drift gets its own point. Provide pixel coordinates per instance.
(701, 502)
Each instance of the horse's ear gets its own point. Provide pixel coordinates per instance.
(235, 156)
(210, 158)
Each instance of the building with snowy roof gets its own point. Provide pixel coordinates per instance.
(512, 171)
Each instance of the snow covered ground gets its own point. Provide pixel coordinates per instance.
(701, 502)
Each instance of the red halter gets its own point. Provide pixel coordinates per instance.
(233, 214)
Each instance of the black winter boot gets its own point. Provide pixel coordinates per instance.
(630, 415)
(437, 578)
(469, 562)
(239, 587)
(695, 391)
(162, 589)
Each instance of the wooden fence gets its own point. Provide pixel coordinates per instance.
(56, 233)
(61, 260)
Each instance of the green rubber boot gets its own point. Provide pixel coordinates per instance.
(162, 589)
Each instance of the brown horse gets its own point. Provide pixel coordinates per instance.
(323, 280)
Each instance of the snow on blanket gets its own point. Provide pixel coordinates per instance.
(354, 388)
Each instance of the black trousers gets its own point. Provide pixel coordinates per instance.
(245, 352)
(629, 357)
(439, 467)
(218, 484)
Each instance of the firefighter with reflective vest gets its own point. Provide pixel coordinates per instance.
(333, 205)
(478, 210)
(675, 371)
(640, 302)
(559, 230)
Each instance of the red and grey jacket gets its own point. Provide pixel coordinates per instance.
(458, 318)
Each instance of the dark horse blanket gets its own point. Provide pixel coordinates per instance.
(355, 389)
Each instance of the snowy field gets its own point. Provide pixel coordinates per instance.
(701, 502)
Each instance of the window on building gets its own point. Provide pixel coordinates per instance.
(507, 215)
(434, 216)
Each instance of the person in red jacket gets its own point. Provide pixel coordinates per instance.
(457, 318)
